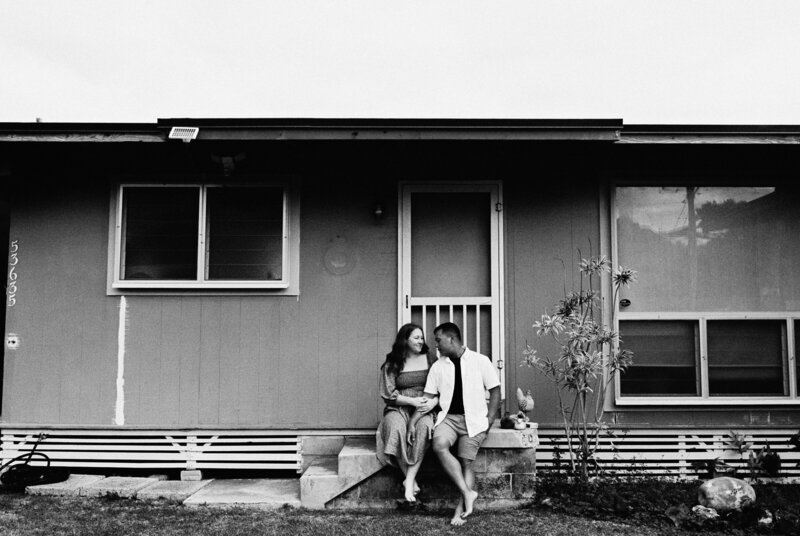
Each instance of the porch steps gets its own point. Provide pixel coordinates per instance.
(327, 477)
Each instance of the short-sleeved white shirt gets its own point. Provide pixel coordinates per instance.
(478, 375)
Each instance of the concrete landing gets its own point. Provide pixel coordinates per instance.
(260, 493)
(71, 486)
(126, 487)
(172, 490)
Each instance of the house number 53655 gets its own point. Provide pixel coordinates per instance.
(13, 260)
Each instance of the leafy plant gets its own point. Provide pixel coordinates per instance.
(767, 462)
(587, 360)
(738, 441)
(713, 468)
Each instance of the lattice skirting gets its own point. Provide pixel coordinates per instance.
(159, 449)
(671, 452)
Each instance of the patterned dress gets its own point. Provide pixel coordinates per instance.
(391, 437)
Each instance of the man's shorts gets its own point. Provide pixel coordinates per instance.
(453, 429)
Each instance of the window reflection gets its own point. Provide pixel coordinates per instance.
(710, 248)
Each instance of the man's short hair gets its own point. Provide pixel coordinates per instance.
(448, 328)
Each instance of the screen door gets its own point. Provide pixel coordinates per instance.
(450, 262)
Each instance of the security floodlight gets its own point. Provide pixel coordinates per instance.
(186, 134)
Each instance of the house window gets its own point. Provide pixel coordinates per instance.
(666, 357)
(712, 317)
(202, 237)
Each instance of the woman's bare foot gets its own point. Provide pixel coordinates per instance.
(458, 519)
(416, 488)
(408, 488)
(469, 502)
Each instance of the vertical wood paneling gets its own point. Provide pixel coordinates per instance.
(22, 380)
(210, 366)
(270, 360)
(249, 361)
(307, 361)
(330, 366)
(169, 378)
(143, 360)
(60, 312)
(229, 359)
(189, 346)
(291, 346)
(546, 231)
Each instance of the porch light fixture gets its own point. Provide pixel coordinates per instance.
(185, 134)
(379, 211)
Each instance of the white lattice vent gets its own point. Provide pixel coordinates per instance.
(671, 453)
(164, 449)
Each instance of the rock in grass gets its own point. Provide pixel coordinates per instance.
(724, 494)
(705, 513)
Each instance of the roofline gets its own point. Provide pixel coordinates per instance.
(711, 134)
(322, 129)
(400, 129)
(611, 130)
(81, 132)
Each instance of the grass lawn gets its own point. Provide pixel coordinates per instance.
(22, 515)
(601, 508)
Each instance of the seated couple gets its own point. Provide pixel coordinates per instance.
(438, 402)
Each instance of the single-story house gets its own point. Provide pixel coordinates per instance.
(215, 284)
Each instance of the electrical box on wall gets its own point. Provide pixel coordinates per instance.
(12, 341)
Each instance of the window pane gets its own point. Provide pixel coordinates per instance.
(160, 233)
(664, 356)
(244, 236)
(710, 248)
(745, 357)
(451, 244)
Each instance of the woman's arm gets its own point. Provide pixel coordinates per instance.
(411, 429)
(429, 402)
(402, 400)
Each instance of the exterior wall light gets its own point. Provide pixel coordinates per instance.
(379, 211)
(185, 134)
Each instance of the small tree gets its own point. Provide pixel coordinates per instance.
(588, 359)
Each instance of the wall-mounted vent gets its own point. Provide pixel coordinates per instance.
(186, 134)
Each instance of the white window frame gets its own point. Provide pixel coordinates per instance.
(200, 282)
(702, 318)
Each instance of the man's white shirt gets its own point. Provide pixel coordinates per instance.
(478, 375)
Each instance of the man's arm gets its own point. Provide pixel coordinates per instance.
(494, 404)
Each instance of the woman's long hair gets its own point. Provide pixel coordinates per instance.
(395, 358)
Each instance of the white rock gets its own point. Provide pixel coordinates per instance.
(725, 493)
(705, 513)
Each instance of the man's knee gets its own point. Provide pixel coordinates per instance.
(465, 463)
(440, 445)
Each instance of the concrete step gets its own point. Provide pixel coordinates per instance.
(357, 460)
(328, 477)
(320, 482)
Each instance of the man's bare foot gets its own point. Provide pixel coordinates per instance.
(408, 488)
(469, 502)
(458, 520)
(416, 488)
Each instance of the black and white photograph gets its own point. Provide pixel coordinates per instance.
(360, 267)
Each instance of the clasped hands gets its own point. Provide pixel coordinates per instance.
(424, 404)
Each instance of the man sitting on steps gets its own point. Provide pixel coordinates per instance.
(460, 379)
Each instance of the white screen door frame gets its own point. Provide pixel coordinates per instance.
(434, 310)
